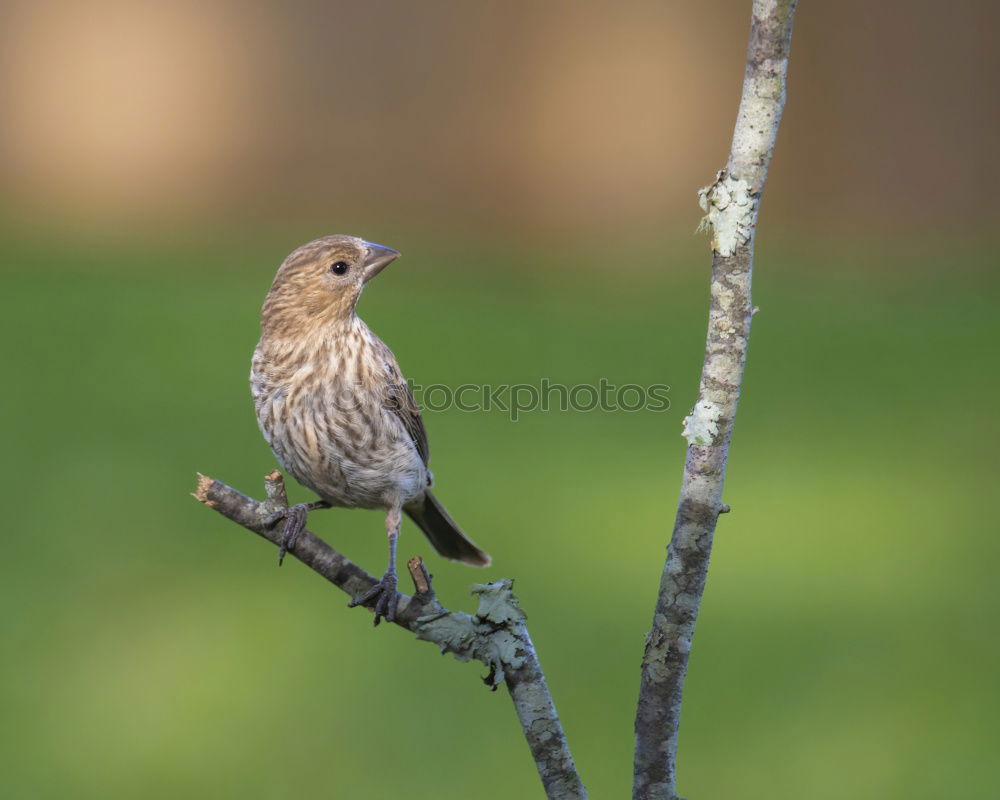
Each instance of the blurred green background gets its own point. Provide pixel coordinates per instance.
(847, 640)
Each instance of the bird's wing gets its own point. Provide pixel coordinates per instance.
(399, 400)
(402, 404)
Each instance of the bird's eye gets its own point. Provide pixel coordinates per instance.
(340, 268)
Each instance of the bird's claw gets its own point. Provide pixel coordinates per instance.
(387, 598)
(295, 522)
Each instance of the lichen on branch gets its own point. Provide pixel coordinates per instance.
(495, 635)
(731, 204)
(729, 212)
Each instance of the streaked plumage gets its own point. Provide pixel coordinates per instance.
(333, 404)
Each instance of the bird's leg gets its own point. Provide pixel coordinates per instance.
(385, 589)
(295, 522)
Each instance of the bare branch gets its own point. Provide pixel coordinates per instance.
(731, 204)
(496, 634)
(421, 577)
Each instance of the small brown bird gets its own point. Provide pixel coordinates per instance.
(335, 409)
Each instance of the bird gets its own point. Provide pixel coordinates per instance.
(336, 411)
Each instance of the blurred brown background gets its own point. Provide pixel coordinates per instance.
(553, 116)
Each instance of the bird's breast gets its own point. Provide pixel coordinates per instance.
(326, 420)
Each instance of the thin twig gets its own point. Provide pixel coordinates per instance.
(496, 634)
(421, 577)
(731, 204)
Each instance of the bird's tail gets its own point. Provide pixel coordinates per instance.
(444, 534)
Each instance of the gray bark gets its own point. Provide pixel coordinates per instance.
(496, 634)
(731, 204)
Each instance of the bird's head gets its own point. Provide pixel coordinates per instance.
(322, 280)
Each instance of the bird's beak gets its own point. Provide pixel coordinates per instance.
(378, 258)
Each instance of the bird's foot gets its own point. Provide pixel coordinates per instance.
(385, 596)
(295, 523)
